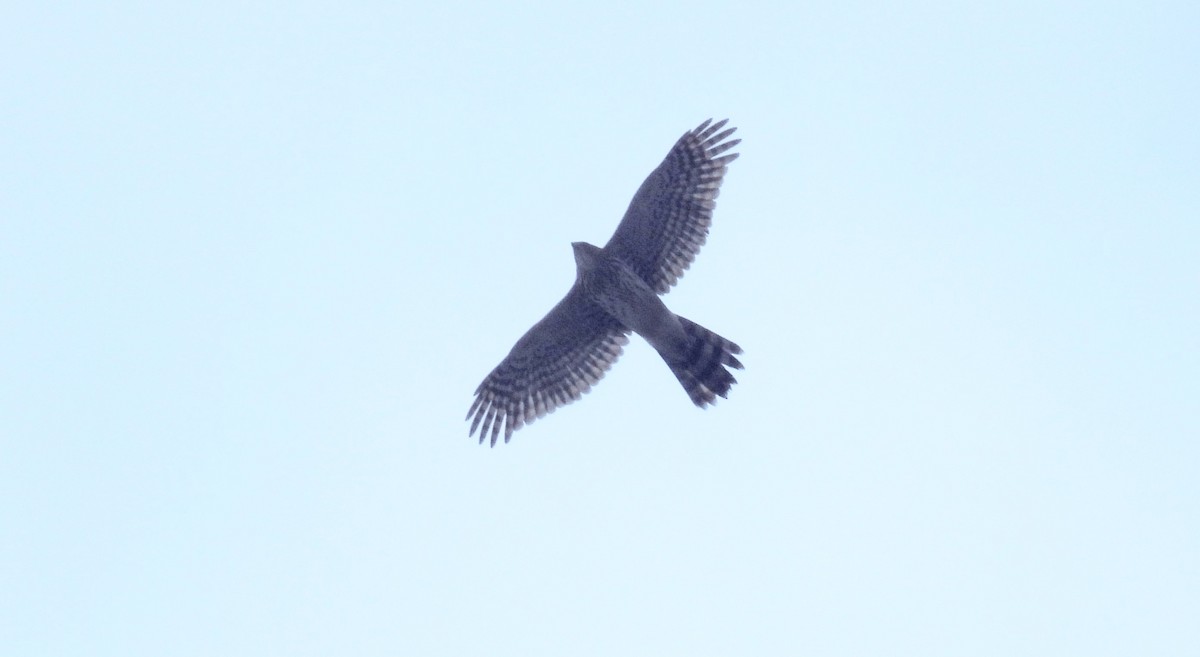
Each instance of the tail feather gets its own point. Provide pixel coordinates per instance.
(702, 371)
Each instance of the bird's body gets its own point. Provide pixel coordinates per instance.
(617, 290)
(614, 286)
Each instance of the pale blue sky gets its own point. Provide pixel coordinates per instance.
(254, 260)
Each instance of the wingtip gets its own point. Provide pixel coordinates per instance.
(705, 131)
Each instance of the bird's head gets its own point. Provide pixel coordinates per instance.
(586, 256)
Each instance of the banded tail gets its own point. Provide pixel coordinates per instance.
(702, 371)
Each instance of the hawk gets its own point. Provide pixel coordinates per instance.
(616, 291)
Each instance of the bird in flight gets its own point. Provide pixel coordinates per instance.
(617, 290)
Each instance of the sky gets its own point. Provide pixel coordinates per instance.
(255, 259)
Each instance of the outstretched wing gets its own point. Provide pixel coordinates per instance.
(668, 219)
(552, 365)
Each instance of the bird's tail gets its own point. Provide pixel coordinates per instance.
(702, 369)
